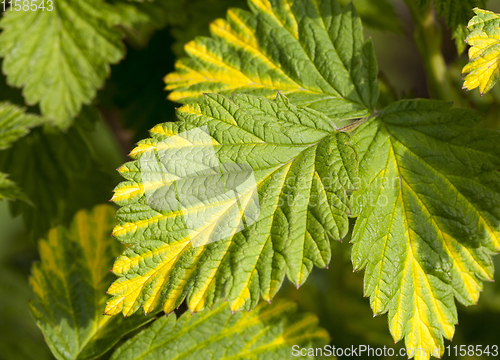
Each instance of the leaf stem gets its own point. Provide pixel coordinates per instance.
(353, 126)
(428, 38)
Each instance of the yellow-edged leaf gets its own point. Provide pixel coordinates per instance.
(428, 211)
(69, 286)
(266, 333)
(312, 51)
(483, 69)
(192, 236)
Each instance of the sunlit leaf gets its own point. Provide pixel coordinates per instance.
(428, 216)
(59, 57)
(69, 285)
(311, 51)
(483, 69)
(267, 332)
(191, 237)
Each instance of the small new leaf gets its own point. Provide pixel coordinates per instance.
(312, 51)
(227, 201)
(59, 57)
(483, 69)
(266, 333)
(428, 216)
(69, 286)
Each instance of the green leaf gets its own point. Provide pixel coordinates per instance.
(59, 57)
(379, 14)
(195, 19)
(483, 68)
(140, 20)
(312, 51)
(428, 216)
(456, 13)
(267, 332)
(69, 286)
(301, 167)
(14, 124)
(59, 174)
(9, 190)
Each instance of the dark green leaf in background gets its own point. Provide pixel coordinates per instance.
(59, 172)
(14, 124)
(457, 14)
(69, 285)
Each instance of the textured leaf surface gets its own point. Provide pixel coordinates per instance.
(483, 69)
(312, 51)
(69, 286)
(301, 166)
(59, 57)
(267, 332)
(197, 15)
(429, 216)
